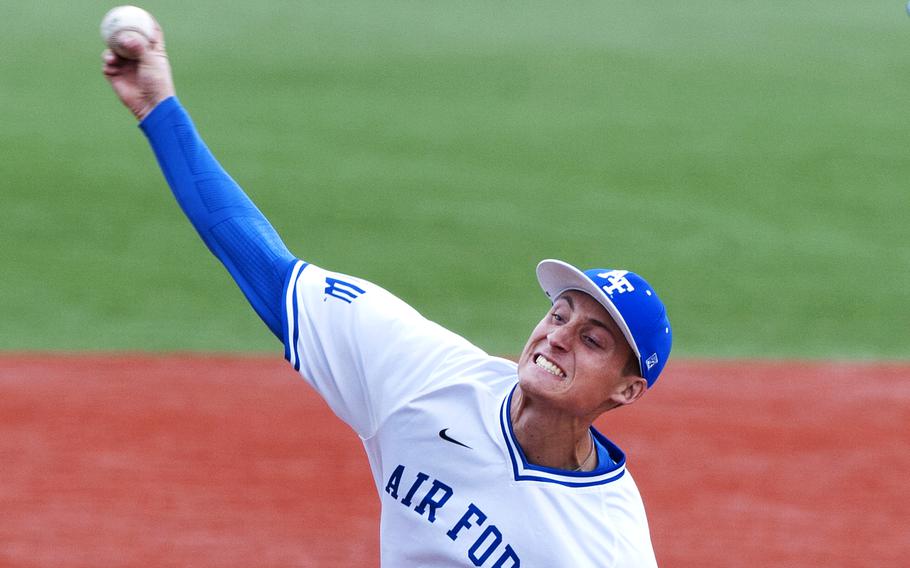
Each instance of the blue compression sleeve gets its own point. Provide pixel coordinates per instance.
(229, 223)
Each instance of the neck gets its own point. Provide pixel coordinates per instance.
(551, 439)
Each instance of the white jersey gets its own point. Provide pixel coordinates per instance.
(432, 411)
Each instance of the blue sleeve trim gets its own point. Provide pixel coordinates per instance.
(291, 333)
(228, 222)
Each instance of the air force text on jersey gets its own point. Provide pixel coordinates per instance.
(426, 496)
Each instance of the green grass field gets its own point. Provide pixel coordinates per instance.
(751, 159)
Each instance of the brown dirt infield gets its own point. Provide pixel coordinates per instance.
(204, 461)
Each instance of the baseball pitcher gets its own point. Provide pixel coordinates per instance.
(477, 460)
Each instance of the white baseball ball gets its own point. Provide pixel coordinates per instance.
(123, 22)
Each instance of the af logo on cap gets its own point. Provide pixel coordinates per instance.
(617, 282)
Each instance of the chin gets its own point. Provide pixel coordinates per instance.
(533, 379)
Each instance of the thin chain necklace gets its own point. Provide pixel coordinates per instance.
(587, 459)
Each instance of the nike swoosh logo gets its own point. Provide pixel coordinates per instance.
(447, 438)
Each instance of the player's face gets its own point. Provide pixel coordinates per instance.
(575, 359)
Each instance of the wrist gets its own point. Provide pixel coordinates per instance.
(158, 112)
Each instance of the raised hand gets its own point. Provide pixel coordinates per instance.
(143, 80)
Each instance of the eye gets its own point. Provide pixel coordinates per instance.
(590, 340)
(557, 317)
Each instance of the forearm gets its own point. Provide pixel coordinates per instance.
(232, 227)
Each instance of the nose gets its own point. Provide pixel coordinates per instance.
(559, 337)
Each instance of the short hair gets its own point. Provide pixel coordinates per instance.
(631, 367)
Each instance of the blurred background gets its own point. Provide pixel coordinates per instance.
(750, 159)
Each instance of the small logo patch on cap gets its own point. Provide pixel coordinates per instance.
(652, 360)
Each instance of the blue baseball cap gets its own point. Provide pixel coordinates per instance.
(628, 298)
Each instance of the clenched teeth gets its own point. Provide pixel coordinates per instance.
(549, 366)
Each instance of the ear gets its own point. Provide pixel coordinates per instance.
(633, 391)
